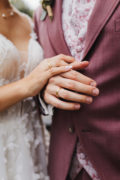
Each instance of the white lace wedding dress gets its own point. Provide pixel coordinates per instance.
(22, 152)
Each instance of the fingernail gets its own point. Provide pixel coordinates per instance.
(93, 83)
(68, 67)
(77, 106)
(95, 92)
(89, 100)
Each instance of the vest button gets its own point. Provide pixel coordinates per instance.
(71, 130)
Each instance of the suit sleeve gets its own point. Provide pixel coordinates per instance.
(45, 109)
(36, 24)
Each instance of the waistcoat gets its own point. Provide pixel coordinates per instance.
(97, 126)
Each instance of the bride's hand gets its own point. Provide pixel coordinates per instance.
(38, 78)
(32, 84)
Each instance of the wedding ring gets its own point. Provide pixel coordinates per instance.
(49, 65)
(57, 92)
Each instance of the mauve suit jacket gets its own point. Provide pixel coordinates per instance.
(97, 125)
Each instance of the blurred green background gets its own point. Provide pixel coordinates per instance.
(26, 6)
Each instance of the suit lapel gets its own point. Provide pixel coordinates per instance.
(55, 30)
(101, 13)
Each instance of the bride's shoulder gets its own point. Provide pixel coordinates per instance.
(26, 18)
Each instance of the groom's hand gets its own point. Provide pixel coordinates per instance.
(68, 90)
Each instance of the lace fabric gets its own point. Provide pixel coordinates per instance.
(76, 14)
(22, 151)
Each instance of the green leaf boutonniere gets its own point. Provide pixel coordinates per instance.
(47, 9)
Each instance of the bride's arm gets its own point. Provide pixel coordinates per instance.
(12, 93)
(35, 81)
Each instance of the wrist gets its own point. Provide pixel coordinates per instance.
(24, 88)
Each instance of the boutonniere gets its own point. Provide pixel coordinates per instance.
(47, 9)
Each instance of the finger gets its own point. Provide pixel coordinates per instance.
(77, 76)
(58, 70)
(80, 65)
(76, 86)
(68, 59)
(60, 104)
(62, 60)
(68, 95)
(58, 61)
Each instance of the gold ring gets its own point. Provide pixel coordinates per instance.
(49, 65)
(57, 92)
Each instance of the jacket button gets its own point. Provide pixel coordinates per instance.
(71, 130)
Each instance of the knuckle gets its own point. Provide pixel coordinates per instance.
(56, 104)
(61, 56)
(56, 61)
(47, 89)
(87, 89)
(91, 90)
(80, 98)
(74, 75)
(45, 97)
(52, 80)
(88, 81)
(73, 107)
(59, 62)
(64, 95)
(52, 71)
(83, 99)
(92, 83)
(71, 85)
(50, 89)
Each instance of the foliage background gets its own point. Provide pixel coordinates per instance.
(23, 7)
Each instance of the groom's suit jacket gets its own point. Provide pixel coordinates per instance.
(97, 126)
